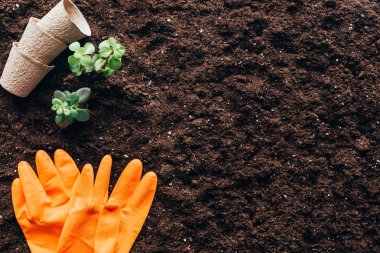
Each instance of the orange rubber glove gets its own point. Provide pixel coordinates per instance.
(124, 215)
(82, 231)
(78, 233)
(41, 204)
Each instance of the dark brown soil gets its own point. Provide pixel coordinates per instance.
(261, 119)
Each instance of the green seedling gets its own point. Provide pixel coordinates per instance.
(109, 57)
(81, 61)
(107, 60)
(68, 106)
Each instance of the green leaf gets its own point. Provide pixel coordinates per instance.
(59, 111)
(112, 42)
(84, 95)
(59, 119)
(83, 115)
(117, 55)
(118, 46)
(89, 69)
(99, 64)
(78, 73)
(54, 107)
(89, 48)
(81, 50)
(114, 63)
(75, 69)
(60, 95)
(105, 52)
(109, 72)
(69, 119)
(73, 62)
(77, 55)
(66, 112)
(67, 93)
(74, 98)
(56, 101)
(104, 44)
(86, 60)
(95, 58)
(119, 52)
(74, 46)
(73, 113)
(73, 95)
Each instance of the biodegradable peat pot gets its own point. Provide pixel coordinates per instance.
(65, 22)
(38, 44)
(22, 73)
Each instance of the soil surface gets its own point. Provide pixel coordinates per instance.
(261, 119)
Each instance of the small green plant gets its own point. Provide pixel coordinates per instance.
(107, 60)
(81, 61)
(68, 106)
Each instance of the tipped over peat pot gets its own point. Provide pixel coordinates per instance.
(40, 45)
(66, 23)
(22, 73)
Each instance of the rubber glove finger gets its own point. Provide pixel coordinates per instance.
(18, 201)
(50, 179)
(137, 209)
(67, 169)
(83, 189)
(35, 195)
(102, 182)
(20, 208)
(126, 184)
